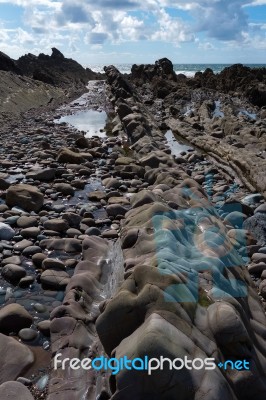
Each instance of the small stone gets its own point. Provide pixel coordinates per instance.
(88, 221)
(257, 269)
(6, 232)
(22, 245)
(53, 263)
(13, 273)
(31, 250)
(68, 156)
(42, 382)
(93, 231)
(72, 232)
(54, 280)
(31, 232)
(24, 381)
(69, 245)
(27, 334)
(45, 175)
(258, 257)
(13, 318)
(111, 183)
(96, 196)
(236, 219)
(27, 222)
(71, 263)
(37, 259)
(114, 210)
(58, 225)
(64, 188)
(40, 308)
(111, 234)
(44, 327)
(11, 260)
(26, 282)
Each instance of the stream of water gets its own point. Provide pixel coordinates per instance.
(90, 121)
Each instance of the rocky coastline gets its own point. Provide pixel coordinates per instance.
(147, 238)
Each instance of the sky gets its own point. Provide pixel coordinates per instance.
(134, 31)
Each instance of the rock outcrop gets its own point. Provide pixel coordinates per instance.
(33, 81)
(187, 292)
(237, 78)
(8, 64)
(55, 69)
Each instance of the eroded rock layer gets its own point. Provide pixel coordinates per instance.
(73, 325)
(222, 114)
(187, 292)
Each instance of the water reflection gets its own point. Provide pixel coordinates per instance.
(175, 146)
(90, 121)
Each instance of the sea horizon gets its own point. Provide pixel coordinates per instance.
(188, 69)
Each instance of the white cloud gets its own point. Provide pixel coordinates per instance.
(36, 3)
(257, 3)
(171, 29)
(3, 36)
(23, 37)
(74, 24)
(206, 46)
(222, 19)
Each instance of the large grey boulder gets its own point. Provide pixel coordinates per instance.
(27, 197)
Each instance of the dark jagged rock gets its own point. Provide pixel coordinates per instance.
(34, 81)
(236, 78)
(7, 64)
(162, 68)
(55, 69)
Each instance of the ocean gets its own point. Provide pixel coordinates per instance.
(187, 69)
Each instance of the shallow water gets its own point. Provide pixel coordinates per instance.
(176, 147)
(248, 114)
(80, 196)
(90, 121)
(217, 111)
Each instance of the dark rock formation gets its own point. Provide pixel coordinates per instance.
(7, 64)
(55, 69)
(236, 78)
(162, 68)
(33, 81)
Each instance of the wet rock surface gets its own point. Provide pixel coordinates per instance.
(128, 244)
(177, 230)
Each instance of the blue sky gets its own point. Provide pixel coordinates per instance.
(135, 31)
